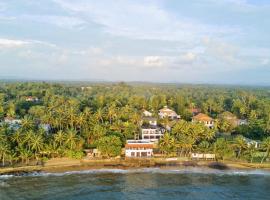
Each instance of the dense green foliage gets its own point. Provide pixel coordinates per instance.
(105, 115)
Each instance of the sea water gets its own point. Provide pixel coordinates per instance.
(153, 183)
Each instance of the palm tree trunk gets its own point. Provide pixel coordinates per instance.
(266, 155)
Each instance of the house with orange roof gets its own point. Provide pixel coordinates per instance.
(205, 119)
(139, 148)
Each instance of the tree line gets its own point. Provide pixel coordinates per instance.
(105, 115)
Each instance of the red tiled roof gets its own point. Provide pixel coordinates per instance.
(139, 145)
(202, 117)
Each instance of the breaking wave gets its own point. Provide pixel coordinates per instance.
(194, 170)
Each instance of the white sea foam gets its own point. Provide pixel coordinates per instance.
(195, 170)
(6, 176)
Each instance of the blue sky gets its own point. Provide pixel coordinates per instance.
(194, 41)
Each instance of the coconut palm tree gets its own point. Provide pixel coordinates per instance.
(167, 143)
(111, 113)
(266, 146)
(4, 152)
(240, 145)
(99, 115)
(59, 138)
(27, 123)
(36, 144)
(24, 154)
(71, 139)
(251, 151)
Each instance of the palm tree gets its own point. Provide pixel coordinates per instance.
(27, 123)
(36, 143)
(251, 151)
(99, 115)
(240, 144)
(266, 146)
(23, 154)
(80, 121)
(71, 139)
(27, 138)
(111, 113)
(59, 138)
(4, 152)
(204, 146)
(17, 137)
(167, 143)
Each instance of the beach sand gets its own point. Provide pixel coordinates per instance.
(66, 164)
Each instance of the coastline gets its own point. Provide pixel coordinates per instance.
(66, 165)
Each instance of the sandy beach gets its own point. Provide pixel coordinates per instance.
(66, 164)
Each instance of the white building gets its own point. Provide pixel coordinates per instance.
(205, 119)
(203, 156)
(149, 120)
(147, 113)
(152, 133)
(31, 99)
(166, 112)
(250, 142)
(242, 122)
(138, 148)
(12, 121)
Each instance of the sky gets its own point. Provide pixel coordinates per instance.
(187, 41)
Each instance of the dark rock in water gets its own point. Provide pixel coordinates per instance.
(190, 164)
(218, 165)
(19, 173)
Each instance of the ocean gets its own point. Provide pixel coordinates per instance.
(145, 184)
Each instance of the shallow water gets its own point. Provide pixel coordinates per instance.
(154, 184)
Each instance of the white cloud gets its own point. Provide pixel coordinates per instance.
(153, 61)
(8, 43)
(188, 57)
(57, 20)
(142, 20)
(265, 61)
(222, 51)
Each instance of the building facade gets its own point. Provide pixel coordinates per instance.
(205, 119)
(166, 112)
(152, 133)
(139, 149)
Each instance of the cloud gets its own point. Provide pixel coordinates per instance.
(142, 20)
(17, 43)
(57, 20)
(153, 61)
(188, 58)
(265, 61)
(8, 43)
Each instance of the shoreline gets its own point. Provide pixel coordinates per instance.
(66, 165)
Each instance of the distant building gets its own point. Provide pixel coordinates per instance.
(242, 122)
(194, 111)
(86, 88)
(205, 119)
(138, 148)
(166, 112)
(92, 153)
(202, 156)
(230, 117)
(45, 127)
(31, 99)
(149, 120)
(12, 121)
(147, 113)
(152, 132)
(250, 142)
